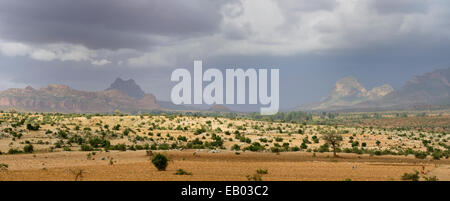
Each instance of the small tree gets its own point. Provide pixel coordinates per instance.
(28, 148)
(333, 139)
(160, 162)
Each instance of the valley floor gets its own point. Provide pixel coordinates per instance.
(222, 166)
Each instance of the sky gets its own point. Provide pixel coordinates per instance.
(86, 44)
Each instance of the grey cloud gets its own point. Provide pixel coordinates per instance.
(307, 5)
(106, 23)
(399, 6)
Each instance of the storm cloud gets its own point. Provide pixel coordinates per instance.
(87, 43)
(112, 24)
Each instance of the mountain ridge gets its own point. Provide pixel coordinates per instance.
(62, 98)
(348, 92)
(430, 90)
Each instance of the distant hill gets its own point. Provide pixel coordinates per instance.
(348, 92)
(129, 87)
(219, 108)
(428, 91)
(125, 96)
(431, 90)
(61, 98)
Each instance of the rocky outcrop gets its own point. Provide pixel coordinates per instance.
(61, 98)
(348, 92)
(428, 91)
(129, 87)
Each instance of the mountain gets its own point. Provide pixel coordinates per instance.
(431, 90)
(380, 91)
(125, 96)
(348, 92)
(428, 91)
(61, 98)
(129, 87)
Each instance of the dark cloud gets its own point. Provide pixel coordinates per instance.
(106, 23)
(377, 41)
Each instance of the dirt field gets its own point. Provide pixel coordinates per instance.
(226, 165)
(113, 147)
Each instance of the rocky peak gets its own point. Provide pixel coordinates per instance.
(380, 91)
(348, 92)
(348, 86)
(129, 87)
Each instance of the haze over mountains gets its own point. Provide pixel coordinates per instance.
(427, 91)
(122, 95)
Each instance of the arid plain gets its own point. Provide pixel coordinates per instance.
(120, 147)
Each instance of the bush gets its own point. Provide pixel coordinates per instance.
(420, 155)
(437, 155)
(303, 146)
(33, 127)
(255, 147)
(120, 147)
(3, 166)
(324, 148)
(182, 172)
(14, 151)
(86, 147)
(296, 148)
(275, 149)
(262, 171)
(182, 138)
(160, 162)
(431, 178)
(28, 148)
(355, 144)
(164, 146)
(411, 176)
(236, 147)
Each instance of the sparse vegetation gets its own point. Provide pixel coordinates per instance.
(424, 137)
(182, 172)
(411, 176)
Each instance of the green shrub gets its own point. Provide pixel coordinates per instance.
(160, 162)
(14, 151)
(86, 147)
(411, 176)
(437, 155)
(355, 144)
(430, 178)
(33, 127)
(164, 146)
(3, 166)
(182, 172)
(324, 148)
(120, 147)
(182, 138)
(420, 155)
(262, 171)
(255, 147)
(236, 147)
(28, 148)
(303, 146)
